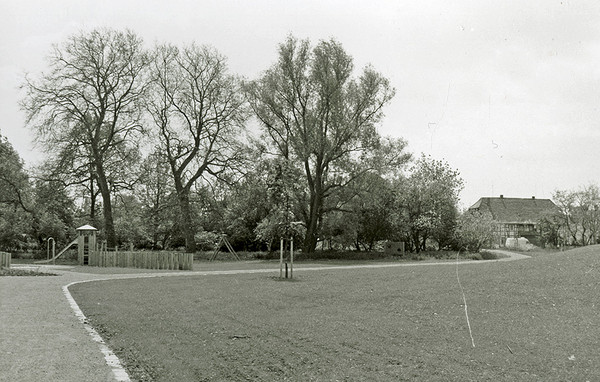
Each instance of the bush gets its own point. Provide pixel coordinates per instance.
(23, 272)
(341, 255)
(487, 255)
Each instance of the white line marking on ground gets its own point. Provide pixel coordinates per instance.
(111, 359)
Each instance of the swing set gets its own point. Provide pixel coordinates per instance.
(223, 241)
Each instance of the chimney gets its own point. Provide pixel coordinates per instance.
(501, 196)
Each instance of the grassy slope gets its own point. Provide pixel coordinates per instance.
(533, 319)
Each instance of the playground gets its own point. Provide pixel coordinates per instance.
(531, 319)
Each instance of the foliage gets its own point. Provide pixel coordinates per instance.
(14, 181)
(15, 199)
(550, 227)
(158, 203)
(474, 230)
(374, 209)
(427, 201)
(53, 212)
(246, 204)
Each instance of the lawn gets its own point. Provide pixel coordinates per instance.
(532, 320)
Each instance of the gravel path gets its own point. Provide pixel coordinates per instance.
(41, 339)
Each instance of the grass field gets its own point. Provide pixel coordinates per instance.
(532, 320)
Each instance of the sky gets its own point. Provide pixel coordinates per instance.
(507, 92)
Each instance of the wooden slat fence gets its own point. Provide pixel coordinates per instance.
(5, 260)
(146, 260)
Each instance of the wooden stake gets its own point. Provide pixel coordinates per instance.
(281, 260)
(292, 258)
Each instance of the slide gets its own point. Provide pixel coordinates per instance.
(57, 256)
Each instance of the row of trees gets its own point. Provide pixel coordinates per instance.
(153, 145)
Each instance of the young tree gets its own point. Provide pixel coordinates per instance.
(282, 194)
(428, 198)
(474, 230)
(550, 226)
(316, 115)
(198, 112)
(87, 108)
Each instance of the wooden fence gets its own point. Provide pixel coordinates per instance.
(4, 260)
(146, 260)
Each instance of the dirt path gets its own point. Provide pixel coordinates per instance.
(42, 339)
(511, 255)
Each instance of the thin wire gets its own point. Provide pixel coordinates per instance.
(464, 301)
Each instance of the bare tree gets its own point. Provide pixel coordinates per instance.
(318, 116)
(198, 111)
(87, 108)
(580, 214)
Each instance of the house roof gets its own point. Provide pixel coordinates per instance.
(514, 210)
(86, 227)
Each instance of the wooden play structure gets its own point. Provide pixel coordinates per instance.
(86, 243)
(92, 253)
(54, 257)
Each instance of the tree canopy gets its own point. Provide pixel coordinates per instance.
(316, 115)
(86, 110)
(198, 112)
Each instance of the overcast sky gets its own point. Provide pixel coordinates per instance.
(507, 92)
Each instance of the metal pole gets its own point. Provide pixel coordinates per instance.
(292, 258)
(53, 252)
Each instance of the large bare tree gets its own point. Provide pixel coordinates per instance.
(321, 118)
(198, 111)
(86, 109)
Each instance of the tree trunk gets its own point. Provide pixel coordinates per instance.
(187, 222)
(312, 225)
(109, 225)
(316, 205)
(416, 242)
